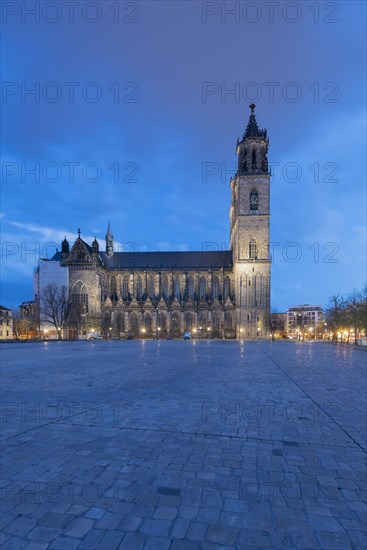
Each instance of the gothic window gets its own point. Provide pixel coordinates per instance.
(190, 288)
(228, 320)
(202, 320)
(202, 288)
(162, 322)
(254, 200)
(175, 324)
(113, 288)
(215, 288)
(165, 287)
(139, 288)
(227, 287)
(148, 322)
(188, 321)
(120, 323)
(134, 322)
(125, 288)
(216, 322)
(252, 250)
(150, 289)
(176, 288)
(79, 296)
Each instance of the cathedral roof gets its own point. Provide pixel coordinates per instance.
(169, 260)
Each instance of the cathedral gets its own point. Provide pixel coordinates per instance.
(221, 294)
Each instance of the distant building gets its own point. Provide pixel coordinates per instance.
(303, 322)
(6, 323)
(47, 273)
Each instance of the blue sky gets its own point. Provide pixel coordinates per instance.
(167, 123)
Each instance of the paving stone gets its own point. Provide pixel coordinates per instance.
(130, 523)
(51, 519)
(133, 541)
(110, 540)
(165, 512)
(179, 528)
(196, 530)
(221, 535)
(157, 543)
(92, 539)
(155, 527)
(79, 527)
(44, 534)
(61, 543)
(20, 526)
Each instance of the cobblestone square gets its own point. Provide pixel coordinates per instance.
(183, 445)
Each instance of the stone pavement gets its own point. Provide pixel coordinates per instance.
(183, 445)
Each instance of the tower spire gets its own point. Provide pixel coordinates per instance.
(109, 240)
(252, 129)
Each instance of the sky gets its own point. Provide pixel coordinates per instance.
(130, 112)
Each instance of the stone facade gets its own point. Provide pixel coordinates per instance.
(224, 294)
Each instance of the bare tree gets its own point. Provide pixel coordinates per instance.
(276, 323)
(336, 313)
(55, 307)
(356, 312)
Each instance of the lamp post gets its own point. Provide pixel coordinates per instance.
(208, 332)
(200, 332)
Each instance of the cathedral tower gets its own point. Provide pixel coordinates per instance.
(249, 232)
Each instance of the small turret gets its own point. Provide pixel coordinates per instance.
(95, 246)
(65, 247)
(109, 241)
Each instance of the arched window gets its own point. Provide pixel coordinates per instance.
(202, 288)
(162, 322)
(176, 288)
(188, 321)
(190, 288)
(228, 320)
(148, 322)
(216, 322)
(165, 287)
(79, 296)
(113, 289)
(139, 288)
(202, 320)
(252, 250)
(150, 288)
(254, 200)
(125, 288)
(120, 323)
(227, 288)
(215, 288)
(175, 323)
(134, 322)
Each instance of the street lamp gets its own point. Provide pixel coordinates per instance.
(208, 331)
(159, 329)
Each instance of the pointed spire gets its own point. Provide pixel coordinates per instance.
(252, 129)
(109, 240)
(109, 232)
